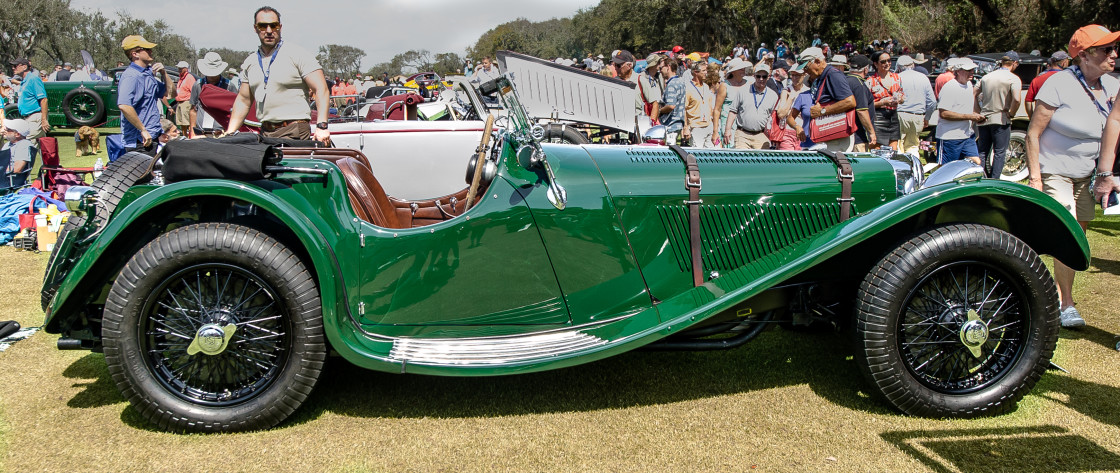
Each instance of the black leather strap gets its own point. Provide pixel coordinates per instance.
(846, 177)
(692, 183)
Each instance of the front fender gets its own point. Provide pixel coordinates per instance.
(316, 223)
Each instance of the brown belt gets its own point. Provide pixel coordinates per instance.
(692, 184)
(273, 126)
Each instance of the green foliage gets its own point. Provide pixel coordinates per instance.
(340, 61)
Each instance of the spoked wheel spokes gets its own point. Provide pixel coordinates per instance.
(214, 334)
(962, 327)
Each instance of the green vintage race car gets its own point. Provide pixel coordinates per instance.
(72, 104)
(218, 295)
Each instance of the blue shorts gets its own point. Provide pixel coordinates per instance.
(952, 150)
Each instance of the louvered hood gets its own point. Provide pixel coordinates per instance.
(756, 205)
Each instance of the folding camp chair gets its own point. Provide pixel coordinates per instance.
(52, 175)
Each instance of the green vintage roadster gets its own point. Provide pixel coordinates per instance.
(218, 294)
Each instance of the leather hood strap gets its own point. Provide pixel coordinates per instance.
(692, 183)
(846, 177)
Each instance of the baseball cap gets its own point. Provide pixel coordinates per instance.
(966, 64)
(807, 55)
(1089, 36)
(677, 49)
(1010, 56)
(18, 61)
(1059, 56)
(904, 61)
(762, 67)
(19, 126)
(859, 61)
(183, 65)
(622, 56)
(136, 41)
(694, 57)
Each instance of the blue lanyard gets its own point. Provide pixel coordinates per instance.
(272, 59)
(1081, 78)
(758, 102)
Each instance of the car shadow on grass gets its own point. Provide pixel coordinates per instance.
(775, 359)
(1034, 448)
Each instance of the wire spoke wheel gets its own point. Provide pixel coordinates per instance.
(193, 306)
(958, 321)
(214, 327)
(962, 327)
(84, 107)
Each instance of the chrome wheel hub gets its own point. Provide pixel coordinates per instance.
(211, 339)
(974, 333)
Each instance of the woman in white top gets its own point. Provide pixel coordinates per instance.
(1064, 137)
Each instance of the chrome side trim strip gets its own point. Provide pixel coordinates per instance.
(491, 351)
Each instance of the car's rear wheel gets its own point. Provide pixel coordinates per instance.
(214, 327)
(1015, 168)
(958, 321)
(83, 107)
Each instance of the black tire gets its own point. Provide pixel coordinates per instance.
(118, 176)
(201, 280)
(918, 306)
(556, 133)
(83, 107)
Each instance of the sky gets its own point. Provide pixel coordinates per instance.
(382, 28)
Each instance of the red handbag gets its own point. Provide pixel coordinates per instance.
(777, 129)
(831, 127)
(27, 220)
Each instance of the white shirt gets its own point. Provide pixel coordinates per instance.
(960, 98)
(1071, 143)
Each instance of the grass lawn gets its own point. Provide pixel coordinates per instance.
(787, 401)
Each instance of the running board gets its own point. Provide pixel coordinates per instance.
(489, 351)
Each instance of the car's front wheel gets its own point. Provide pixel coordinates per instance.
(214, 327)
(958, 321)
(1015, 167)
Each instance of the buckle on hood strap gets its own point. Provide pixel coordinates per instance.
(846, 177)
(692, 183)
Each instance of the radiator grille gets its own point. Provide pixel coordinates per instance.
(733, 235)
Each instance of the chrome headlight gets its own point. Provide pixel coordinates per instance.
(907, 170)
(953, 171)
(80, 200)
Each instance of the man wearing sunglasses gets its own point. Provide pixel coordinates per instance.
(139, 94)
(750, 112)
(279, 78)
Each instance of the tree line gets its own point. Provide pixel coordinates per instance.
(49, 31)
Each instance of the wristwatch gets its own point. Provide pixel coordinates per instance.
(321, 125)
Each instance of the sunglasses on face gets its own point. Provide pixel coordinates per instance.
(1106, 50)
(885, 61)
(761, 76)
(265, 26)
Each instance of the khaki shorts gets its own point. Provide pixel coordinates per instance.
(1075, 194)
(911, 125)
(744, 140)
(35, 120)
(183, 114)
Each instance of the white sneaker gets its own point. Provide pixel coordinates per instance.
(1071, 318)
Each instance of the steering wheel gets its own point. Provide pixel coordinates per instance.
(479, 162)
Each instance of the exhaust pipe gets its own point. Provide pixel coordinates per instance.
(70, 344)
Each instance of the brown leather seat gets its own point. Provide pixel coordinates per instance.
(366, 193)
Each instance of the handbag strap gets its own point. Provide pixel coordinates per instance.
(31, 204)
(692, 183)
(845, 175)
(820, 90)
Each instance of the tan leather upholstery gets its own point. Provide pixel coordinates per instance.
(365, 189)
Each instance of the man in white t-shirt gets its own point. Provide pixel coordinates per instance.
(279, 77)
(999, 100)
(958, 110)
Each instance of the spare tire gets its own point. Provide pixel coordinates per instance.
(128, 170)
(83, 107)
(558, 133)
(11, 112)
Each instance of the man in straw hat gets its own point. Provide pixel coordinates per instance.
(138, 96)
(211, 67)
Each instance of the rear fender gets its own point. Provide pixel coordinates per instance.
(317, 230)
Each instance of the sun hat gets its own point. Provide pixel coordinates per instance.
(213, 65)
(737, 64)
(839, 60)
(1089, 36)
(653, 60)
(904, 61)
(22, 127)
(136, 41)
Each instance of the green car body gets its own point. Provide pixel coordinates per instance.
(524, 281)
(88, 103)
